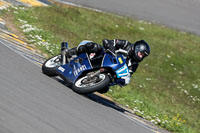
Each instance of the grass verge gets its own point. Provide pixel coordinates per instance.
(166, 87)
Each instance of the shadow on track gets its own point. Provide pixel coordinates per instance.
(96, 98)
(108, 103)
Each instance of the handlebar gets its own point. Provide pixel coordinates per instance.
(109, 51)
(117, 52)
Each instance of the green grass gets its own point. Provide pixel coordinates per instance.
(166, 87)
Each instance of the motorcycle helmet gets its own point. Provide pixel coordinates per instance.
(141, 49)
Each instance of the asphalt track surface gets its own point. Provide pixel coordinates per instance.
(31, 102)
(180, 14)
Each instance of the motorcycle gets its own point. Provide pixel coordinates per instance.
(88, 73)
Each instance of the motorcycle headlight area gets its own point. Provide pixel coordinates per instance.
(123, 71)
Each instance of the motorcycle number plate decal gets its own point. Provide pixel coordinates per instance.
(120, 60)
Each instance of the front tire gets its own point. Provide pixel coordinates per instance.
(102, 82)
(104, 90)
(49, 66)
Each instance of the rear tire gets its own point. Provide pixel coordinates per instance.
(103, 83)
(49, 66)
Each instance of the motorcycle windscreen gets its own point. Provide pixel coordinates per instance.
(71, 71)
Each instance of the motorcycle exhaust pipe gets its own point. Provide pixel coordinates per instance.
(64, 47)
(63, 53)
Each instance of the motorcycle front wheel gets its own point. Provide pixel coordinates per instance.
(49, 66)
(86, 85)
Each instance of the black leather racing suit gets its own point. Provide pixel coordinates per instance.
(117, 44)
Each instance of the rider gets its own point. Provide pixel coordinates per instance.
(134, 53)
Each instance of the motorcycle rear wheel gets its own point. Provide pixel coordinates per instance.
(101, 82)
(49, 66)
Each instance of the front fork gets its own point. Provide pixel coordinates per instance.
(96, 73)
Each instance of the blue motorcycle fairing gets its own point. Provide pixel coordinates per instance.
(118, 64)
(113, 62)
(71, 71)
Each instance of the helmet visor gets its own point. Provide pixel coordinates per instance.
(140, 55)
(140, 51)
